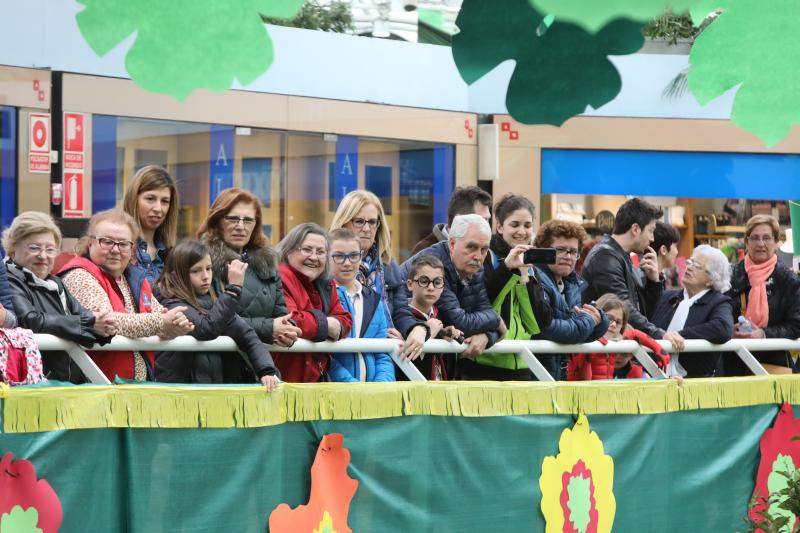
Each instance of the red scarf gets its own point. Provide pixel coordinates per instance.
(757, 305)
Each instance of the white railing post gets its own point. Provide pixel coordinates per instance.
(649, 365)
(751, 362)
(535, 365)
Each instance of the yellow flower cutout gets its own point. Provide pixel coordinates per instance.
(577, 485)
(326, 526)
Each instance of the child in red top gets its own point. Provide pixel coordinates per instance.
(584, 367)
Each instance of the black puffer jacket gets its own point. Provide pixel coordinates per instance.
(262, 298)
(783, 297)
(463, 304)
(40, 308)
(215, 367)
(608, 268)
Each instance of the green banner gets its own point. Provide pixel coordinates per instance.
(679, 469)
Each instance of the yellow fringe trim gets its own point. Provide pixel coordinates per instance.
(54, 408)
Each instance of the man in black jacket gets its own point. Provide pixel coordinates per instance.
(464, 201)
(608, 267)
(464, 302)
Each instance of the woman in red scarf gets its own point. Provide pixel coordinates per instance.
(312, 301)
(767, 294)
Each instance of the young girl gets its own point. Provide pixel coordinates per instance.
(186, 281)
(589, 366)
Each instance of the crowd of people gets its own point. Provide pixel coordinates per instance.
(468, 281)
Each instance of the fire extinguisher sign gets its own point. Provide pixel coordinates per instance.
(73, 194)
(73, 164)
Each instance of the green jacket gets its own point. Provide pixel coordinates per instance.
(521, 322)
(262, 297)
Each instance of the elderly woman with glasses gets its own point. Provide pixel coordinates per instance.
(232, 230)
(700, 310)
(102, 280)
(312, 300)
(42, 302)
(767, 294)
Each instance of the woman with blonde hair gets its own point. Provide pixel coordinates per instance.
(152, 200)
(766, 294)
(361, 211)
(102, 280)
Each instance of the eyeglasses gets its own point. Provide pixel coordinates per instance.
(571, 252)
(766, 239)
(308, 251)
(36, 249)
(372, 223)
(108, 244)
(424, 281)
(352, 257)
(234, 221)
(693, 263)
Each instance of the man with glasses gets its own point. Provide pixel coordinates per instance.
(572, 322)
(464, 302)
(365, 307)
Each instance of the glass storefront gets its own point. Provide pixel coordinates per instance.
(8, 164)
(298, 177)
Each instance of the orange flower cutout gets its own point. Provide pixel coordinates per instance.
(331, 493)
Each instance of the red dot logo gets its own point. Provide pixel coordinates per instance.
(39, 134)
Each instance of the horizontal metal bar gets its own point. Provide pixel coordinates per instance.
(183, 344)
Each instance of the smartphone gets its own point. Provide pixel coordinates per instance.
(546, 256)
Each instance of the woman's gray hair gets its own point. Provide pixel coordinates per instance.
(295, 238)
(717, 267)
(461, 224)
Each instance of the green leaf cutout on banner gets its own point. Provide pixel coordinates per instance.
(561, 68)
(20, 521)
(755, 48)
(594, 14)
(183, 45)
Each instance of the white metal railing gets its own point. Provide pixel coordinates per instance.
(526, 349)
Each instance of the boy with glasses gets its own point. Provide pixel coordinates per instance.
(365, 307)
(426, 283)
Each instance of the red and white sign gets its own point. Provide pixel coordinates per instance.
(73, 141)
(39, 143)
(73, 194)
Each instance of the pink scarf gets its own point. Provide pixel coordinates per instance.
(757, 305)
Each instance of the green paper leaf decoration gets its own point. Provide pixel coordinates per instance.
(559, 71)
(20, 521)
(594, 14)
(184, 45)
(755, 48)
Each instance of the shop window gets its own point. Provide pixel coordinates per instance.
(413, 180)
(203, 159)
(8, 165)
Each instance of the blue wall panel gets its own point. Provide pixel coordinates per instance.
(8, 165)
(104, 162)
(689, 174)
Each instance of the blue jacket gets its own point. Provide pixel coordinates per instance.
(568, 327)
(710, 318)
(344, 366)
(464, 305)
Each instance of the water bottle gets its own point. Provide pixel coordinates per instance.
(744, 325)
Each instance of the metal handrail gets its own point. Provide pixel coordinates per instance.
(526, 349)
